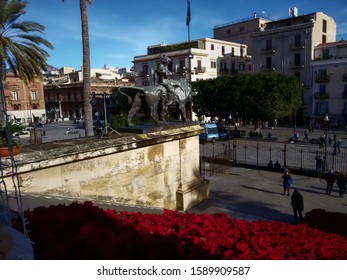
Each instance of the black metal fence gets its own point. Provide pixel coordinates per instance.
(296, 157)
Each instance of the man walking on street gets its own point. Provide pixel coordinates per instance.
(297, 202)
(330, 179)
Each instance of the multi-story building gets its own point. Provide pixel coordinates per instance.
(329, 70)
(284, 46)
(210, 58)
(64, 95)
(240, 31)
(24, 102)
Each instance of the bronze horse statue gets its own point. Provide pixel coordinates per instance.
(158, 97)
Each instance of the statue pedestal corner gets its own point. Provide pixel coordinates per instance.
(192, 194)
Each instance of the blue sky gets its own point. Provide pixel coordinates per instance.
(120, 30)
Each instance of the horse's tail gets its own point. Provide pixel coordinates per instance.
(128, 97)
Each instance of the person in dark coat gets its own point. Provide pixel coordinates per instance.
(330, 179)
(341, 183)
(297, 202)
(286, 182)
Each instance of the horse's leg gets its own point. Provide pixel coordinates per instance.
(154, 113)
(135, 108)
(183, 112)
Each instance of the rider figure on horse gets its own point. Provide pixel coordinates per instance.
(162, 77)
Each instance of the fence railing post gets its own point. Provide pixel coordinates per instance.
(285, 156)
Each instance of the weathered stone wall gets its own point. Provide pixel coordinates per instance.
(158, 169)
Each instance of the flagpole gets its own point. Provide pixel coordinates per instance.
(189, 46)
(189, 58)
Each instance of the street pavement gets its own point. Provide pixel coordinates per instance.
(239, 192)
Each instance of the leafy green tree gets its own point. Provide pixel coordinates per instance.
(252, 96)
(20, 46)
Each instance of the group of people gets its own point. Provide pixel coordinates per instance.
(297, 200)
(341, 180)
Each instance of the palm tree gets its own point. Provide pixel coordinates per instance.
(88, 112)
(20, 47)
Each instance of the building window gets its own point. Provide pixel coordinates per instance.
(213, 64)
(297, 40)
(322, 108)
(297, 59)
(322, 73)
(199, 63)
(324, 26)
(223, 66)
(15, 107)
(33, 95)
(223, 50)
(14, 95)
(228, 32)
(242, 51)
(232, 51)
(241, 67)
(242, 29)
(232, 67)
(325, 54)
(268, 63)
(249, 67)
(324, 39)
(144, 70)
(322, 89)
(212, 47)
(268, 46)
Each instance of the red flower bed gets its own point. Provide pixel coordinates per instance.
(84, 231)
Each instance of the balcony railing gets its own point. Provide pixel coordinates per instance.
(321, 95)
(268, 50)
(144, 73)
(322, 79)
(297, 46)
(268, 68)
(200, 70)
(297, 65)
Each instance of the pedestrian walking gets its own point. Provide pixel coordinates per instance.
(339, 146)
(342, 183)
(330, 179)
(306, 136)
(287, 181)
(297, 202)
(319, 163)
(335, 148)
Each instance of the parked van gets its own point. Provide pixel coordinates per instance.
(213, 131)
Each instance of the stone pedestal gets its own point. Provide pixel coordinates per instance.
(157, 169)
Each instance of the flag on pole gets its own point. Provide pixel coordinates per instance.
(188, 14)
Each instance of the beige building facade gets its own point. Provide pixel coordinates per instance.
(284, 46)
(329, 70)
(210, 58)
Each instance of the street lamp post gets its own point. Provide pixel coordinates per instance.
(326, 124)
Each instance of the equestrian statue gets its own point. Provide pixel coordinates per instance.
(164, 93)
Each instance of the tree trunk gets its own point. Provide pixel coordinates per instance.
(2, 93)
(88, 112)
